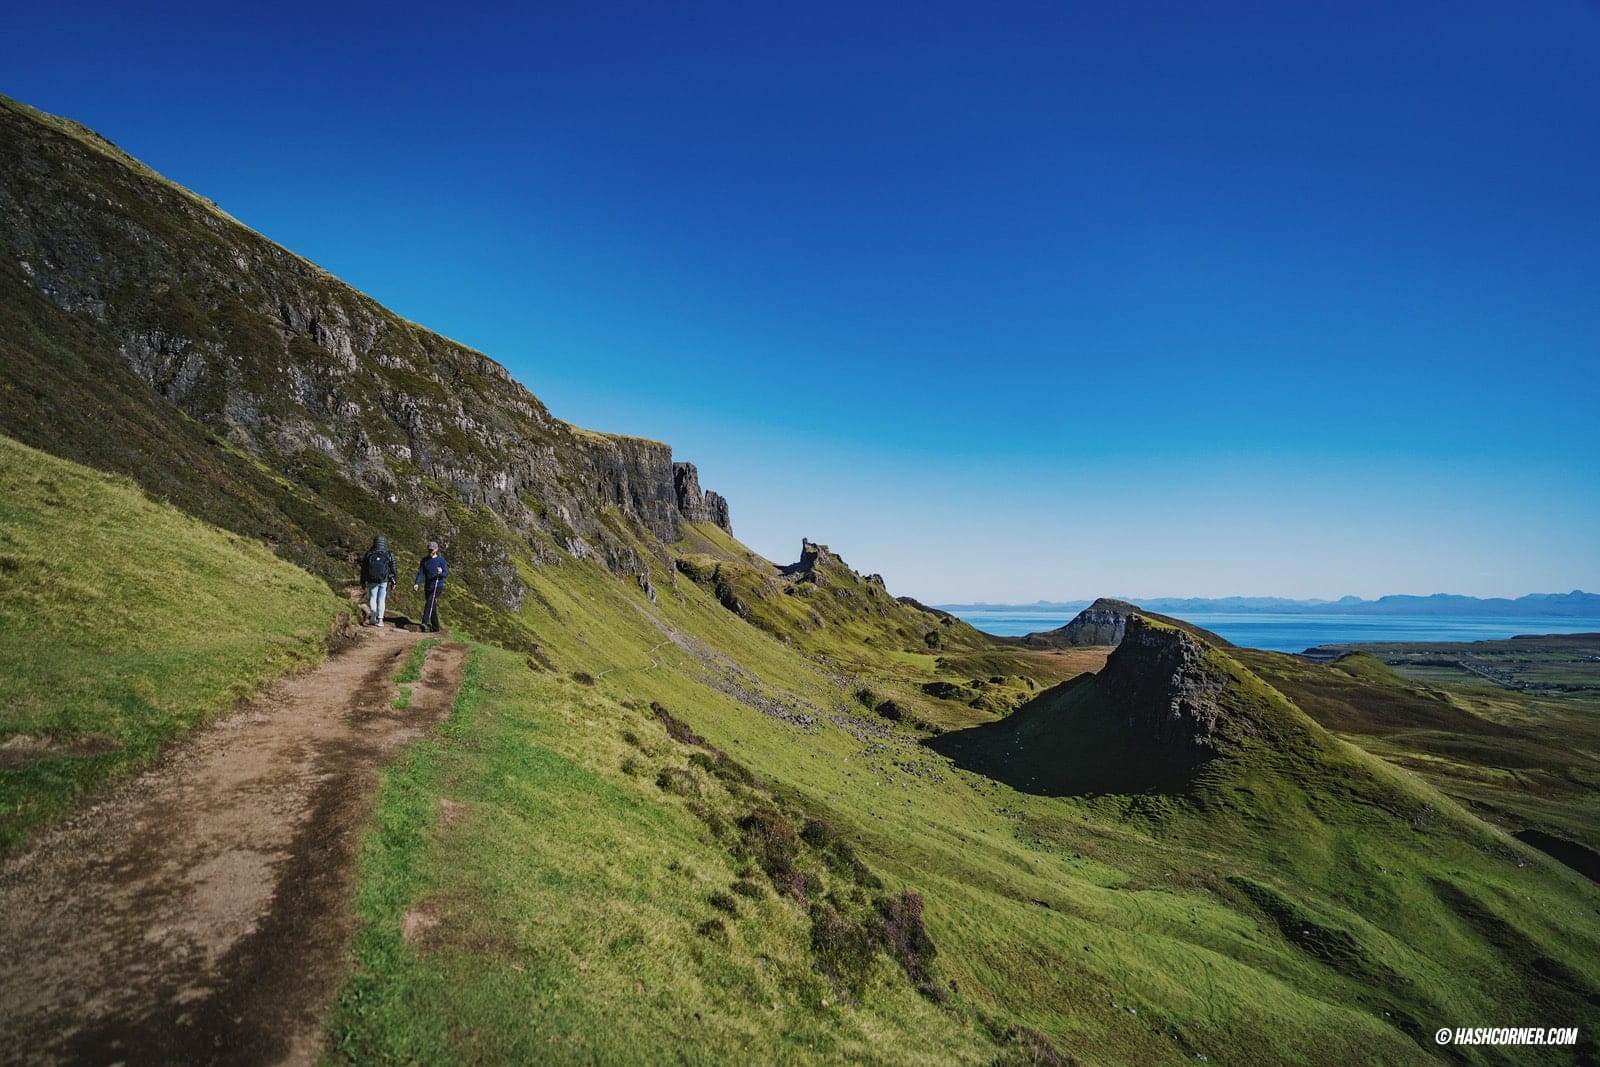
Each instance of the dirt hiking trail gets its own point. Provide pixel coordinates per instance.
(201, 911)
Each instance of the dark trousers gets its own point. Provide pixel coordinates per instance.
(430, 610)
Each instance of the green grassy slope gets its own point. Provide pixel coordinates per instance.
(821, 603)
(124, 623)
(914, 664)
(1522, 759)
(1304, 903)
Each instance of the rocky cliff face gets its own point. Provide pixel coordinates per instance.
(1161, 680)
(1104, 623)
(286, 363)
(717, 509)
(694, 505)
(1101, 623)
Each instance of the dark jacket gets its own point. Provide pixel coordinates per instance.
(431, 569)
(377, 566)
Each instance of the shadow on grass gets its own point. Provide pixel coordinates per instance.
(1069, 741)
(1583, 860)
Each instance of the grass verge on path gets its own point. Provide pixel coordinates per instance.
(521, 904)
(411, 670)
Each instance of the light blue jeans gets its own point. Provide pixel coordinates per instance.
(377, 593)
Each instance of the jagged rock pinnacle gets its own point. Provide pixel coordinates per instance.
(1160, 679)
(695, 505)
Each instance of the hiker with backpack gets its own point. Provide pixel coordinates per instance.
(431, 573)
(378, 574)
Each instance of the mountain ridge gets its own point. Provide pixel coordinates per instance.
(1554, 605)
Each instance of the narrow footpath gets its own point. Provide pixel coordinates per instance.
(201, 912)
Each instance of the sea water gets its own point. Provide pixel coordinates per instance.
(1296, 633)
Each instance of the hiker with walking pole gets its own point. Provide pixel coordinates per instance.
(431, 573)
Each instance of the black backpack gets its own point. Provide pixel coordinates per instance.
(376, 566)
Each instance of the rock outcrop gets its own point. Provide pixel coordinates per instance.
(1101, 623)
(694, 505)
(1161, 681)
(812, 557)
(1167, 704)
(1104, 623)
(717, 510)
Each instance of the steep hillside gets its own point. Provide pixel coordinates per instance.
(1524, 757)
(124, 623)
(1166, 713)
(1358, 865)
(145, 332)
(821, 602)
(310, 415)
(921, 665)
(604, 838)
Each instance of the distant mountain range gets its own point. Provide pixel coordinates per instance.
(1535, 605)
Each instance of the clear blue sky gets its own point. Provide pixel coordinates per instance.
(1007, 301)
